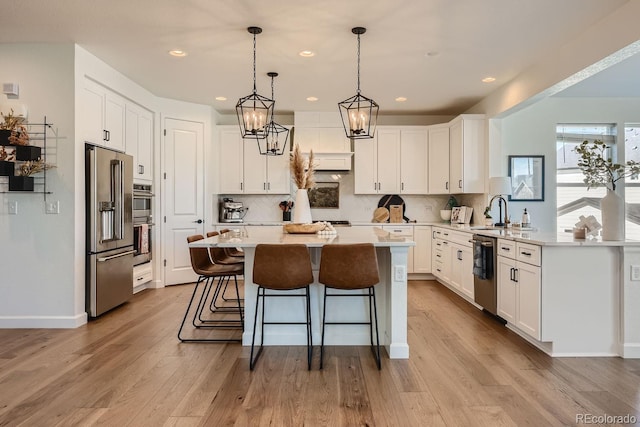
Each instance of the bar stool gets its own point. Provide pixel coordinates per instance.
(350, 267)
(221, 256)
(235, 252)
(280, 268)
(208, 271)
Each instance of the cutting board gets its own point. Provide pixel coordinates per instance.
(393, 200)
(395, 213)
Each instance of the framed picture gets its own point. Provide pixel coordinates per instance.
(325, 195)
(527, 178)
(457, 215)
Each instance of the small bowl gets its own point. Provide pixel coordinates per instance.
(445, 214)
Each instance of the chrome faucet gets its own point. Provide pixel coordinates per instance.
(502, 222)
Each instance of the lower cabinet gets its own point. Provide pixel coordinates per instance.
(519, 290)
(422, 250)
(453, 259)
(462, 268)
(142, 274)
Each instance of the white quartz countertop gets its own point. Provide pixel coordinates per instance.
(246, 238)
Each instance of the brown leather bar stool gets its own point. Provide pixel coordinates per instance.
(280, 268)
(208, 272)
(221, 256)
(351, 267)
(234, 252)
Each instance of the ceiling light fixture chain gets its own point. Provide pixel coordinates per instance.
(358, 89)
(277, 135)
(254, 59)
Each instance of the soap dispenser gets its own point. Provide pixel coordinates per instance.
(526, 221)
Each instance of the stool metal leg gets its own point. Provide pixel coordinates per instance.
(324, 313)
(376, 352)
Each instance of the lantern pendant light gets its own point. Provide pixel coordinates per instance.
(277, 135)
(254, 111)
(359, 114)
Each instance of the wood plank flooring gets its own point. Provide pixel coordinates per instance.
(128, 369)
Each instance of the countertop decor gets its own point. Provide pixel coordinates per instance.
(304, 180)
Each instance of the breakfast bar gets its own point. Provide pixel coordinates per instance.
(391, 251)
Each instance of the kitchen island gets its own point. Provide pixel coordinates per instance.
(391, 292)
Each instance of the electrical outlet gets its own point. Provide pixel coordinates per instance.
(53, 207)
(13, 207)
(635, 273)
(399, 273)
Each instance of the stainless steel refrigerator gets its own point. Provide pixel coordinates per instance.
(109, 192)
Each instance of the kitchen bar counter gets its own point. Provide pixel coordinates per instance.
(391, 292)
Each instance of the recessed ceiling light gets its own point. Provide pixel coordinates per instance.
(177, 52)
(401, 99)
(221, 98)
(307, 53)
(312, 99)
(489, 80)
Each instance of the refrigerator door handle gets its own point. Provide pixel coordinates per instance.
(108, 258)
(117, 185)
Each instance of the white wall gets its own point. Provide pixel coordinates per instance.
(532, 131)
(38, 265)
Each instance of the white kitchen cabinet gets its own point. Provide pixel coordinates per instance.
(438, 160)
(407, 232)
(139, 141)
(441, 261)
(142, 274)
(413, 161)
(462, 268)
(377, 163)
(466, 154)
(519, 288)
(422, 250)
(101, 116)
(322, 140)
(243, 170)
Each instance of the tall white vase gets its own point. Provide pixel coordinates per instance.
(612, 208)
(301, 209)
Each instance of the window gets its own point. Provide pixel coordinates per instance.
(572, 197)
(632, 186)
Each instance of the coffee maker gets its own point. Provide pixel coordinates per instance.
(231, 211)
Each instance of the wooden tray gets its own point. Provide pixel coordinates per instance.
(303, 228)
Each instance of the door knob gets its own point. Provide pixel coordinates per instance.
(199, 221)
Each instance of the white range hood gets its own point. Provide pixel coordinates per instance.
(323, 133)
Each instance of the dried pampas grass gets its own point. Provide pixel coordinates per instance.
(304, 179)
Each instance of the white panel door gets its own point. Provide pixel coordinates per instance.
(91, 113)
(456, 153)
(528, 301)
(422, 250)
(231, 160)
(183, 195)
(439, 160)
(507, 290)
(145, 147)
(278, 175)
(413, 162)
(388, 161)
(114, 121)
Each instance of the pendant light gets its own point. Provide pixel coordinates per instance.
(254, 111)
(359, 114)
(277, 135)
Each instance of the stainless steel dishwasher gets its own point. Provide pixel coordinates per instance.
(485, 286)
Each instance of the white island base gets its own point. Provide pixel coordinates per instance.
(391, 292)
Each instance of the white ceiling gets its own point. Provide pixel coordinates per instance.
(473, 39)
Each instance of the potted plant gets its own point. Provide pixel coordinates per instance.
(488, 220)
(599, 170)
(445, 213)
(6, 162)
(304, 180)
(13, 131)
(24, 180)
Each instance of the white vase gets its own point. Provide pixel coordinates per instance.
(301, 208)
(612, 208)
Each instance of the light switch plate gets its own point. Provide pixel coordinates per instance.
(399, 273)
(635, 273)
(13, 207)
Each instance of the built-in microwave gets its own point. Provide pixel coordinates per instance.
(142, 223)
(142, 203)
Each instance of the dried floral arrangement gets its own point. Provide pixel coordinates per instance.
(599, 169)
(5, 155)
(304, 179)
(15, 124)
(32, 167)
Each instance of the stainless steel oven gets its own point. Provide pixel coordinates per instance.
(142, 223)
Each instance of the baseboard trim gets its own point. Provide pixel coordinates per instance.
(631, 351)
(43, 322)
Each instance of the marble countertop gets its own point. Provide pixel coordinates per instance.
(243, 238)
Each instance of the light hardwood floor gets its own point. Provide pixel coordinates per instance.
(128, 369)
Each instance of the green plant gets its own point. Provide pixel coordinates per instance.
(487, 212)
(452, 202)
(598, 169)
(32, 167)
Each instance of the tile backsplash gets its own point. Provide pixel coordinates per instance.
(356, 208)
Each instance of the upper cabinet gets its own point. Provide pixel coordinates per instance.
(466, 154)
(243, 170)
(139, 140)
(377, 163)
(102, 120)
(438, 159)
(413, 160)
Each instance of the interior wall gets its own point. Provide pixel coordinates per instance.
(37, 258)
(532, 131)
